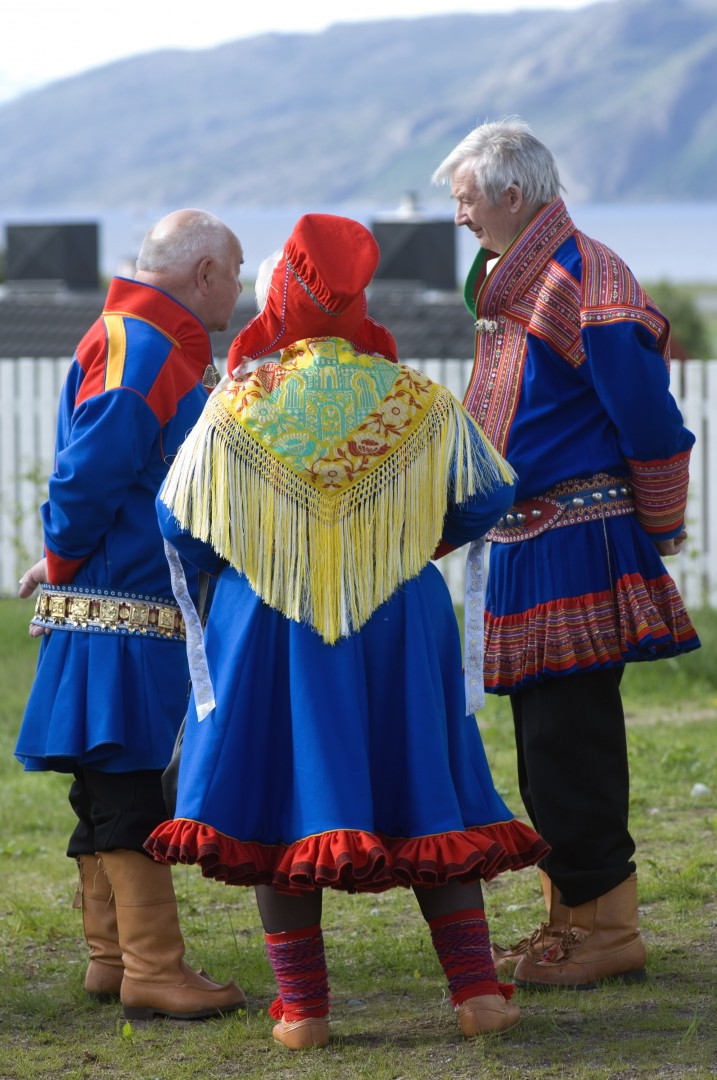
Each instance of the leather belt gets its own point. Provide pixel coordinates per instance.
(571, 502)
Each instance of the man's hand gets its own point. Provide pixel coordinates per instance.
(673, 546)
(28, 583)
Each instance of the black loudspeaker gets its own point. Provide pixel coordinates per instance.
(420, 251)
(64, 253)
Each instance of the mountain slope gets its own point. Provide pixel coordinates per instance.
(623, 91)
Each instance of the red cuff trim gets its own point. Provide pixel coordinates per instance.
(62, 571)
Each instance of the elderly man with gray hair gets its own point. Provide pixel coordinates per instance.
(571, 384)
(111, 684)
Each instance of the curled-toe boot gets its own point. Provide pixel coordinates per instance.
(602, 942)
(543, 938)
(303, 1034)
(486, 1015)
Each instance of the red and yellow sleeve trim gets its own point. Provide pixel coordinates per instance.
(660, 492)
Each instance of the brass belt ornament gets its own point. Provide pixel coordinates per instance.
(63, 607)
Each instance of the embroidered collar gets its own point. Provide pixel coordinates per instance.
(487, 295)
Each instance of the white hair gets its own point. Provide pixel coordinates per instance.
(263, 278)
(180, 240)
(502, 153)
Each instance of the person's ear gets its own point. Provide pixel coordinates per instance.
(514, 198)
(204, 275)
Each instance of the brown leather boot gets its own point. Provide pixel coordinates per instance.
(602, 942)
(156, 980)
(542, 939)
(103, 979)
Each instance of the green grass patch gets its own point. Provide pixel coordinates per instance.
(391, 1018)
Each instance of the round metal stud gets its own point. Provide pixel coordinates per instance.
(597, 496)
(612, 492)
(624, 491)
(578, 501)
(510, 519)
(536, 513)
(520, 518)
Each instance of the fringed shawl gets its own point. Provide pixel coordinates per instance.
(325, 479)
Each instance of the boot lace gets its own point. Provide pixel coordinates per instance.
(534, 945)
(570, 940)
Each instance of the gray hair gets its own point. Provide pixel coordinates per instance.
(501, 153)
(180, 240)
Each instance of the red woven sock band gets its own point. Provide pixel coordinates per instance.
(299, 965)
(462, 945)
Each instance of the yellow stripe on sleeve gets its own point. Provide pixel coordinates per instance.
(116, 351)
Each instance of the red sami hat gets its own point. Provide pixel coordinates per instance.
(317, 290)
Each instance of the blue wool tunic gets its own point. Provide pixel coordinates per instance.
(114, 701)
(571, 384)
(350, 765)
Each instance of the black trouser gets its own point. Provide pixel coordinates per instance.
(574, 779)
(115, 810)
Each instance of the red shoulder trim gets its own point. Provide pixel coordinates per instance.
(611, 293)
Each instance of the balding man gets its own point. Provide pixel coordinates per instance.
(112, 679)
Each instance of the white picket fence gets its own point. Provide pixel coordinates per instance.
(29, 390)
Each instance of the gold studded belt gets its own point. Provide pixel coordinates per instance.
(569, 503)
(64, 607)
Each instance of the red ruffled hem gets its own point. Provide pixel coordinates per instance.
(351, 860)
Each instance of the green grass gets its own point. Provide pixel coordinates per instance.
(390, 1015)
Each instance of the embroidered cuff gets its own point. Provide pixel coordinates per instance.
(660, 492)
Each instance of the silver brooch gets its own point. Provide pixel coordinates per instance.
(210, 378)
(486, 326)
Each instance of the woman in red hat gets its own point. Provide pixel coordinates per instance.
(329, 743)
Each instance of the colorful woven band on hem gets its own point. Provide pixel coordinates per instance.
(570, 502)
(64, 607)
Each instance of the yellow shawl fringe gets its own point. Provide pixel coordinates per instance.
(328, 559)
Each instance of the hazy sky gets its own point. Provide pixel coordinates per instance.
(44, 40)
